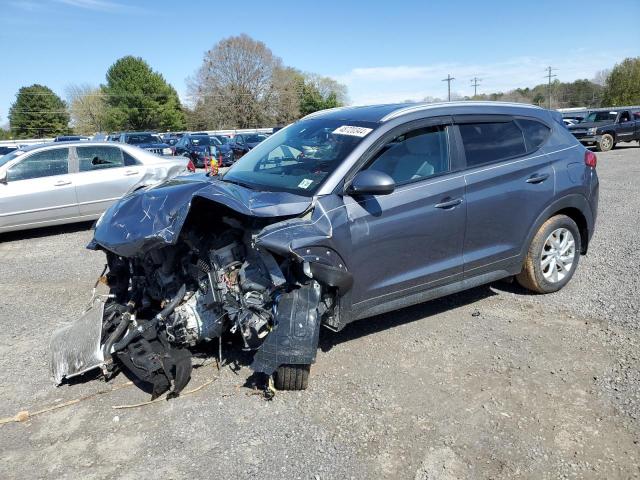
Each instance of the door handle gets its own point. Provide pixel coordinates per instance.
(449, 204)
(538, 178)
(131, 172)
(61, 183)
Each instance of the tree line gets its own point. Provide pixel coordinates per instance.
(609, 88)
(242, 84)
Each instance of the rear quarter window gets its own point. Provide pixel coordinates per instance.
(535, 133)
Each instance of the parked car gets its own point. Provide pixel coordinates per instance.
(70, 138)
(343, 215)
(198, 147)
(224, 152)
(605, 128)
(171, 138)
(146, 140)
(68, 182)
(8, 148)
(241, 143)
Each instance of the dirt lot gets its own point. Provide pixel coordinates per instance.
(490, 383)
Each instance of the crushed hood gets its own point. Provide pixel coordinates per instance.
(153, 217)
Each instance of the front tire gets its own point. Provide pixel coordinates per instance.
(292, 377)
(552, 257)
(606, 143)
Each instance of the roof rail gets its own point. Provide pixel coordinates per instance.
(426, 106)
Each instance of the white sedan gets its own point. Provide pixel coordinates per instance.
(56, 183)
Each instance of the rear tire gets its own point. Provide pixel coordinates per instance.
(292, 377)
(606, 143)
(544, 270)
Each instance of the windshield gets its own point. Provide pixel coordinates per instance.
(601, 117)
(300, 157)
(215, 141)
(201, 141)
(254, 138)
(222, 139)
(139, 138)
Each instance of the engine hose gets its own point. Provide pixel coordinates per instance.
(117, 333)
(166, 311)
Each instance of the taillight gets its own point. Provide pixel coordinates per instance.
(590, 159)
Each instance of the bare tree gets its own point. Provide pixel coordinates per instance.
(87, 108)
(600, 78)
(235, 82)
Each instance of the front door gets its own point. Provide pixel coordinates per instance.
(39, 190)
(410, 240)
(625, 128)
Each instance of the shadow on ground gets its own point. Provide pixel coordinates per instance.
(45, 231)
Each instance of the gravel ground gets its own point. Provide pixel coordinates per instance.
(489, 383)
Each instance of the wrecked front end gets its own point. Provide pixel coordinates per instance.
(189, 261)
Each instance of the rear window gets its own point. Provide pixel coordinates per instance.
(490, 142)
(201, 141)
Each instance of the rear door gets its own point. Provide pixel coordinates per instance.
(103, 177)
(509, 181)
(39, 190)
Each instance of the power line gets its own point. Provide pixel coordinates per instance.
(474, 83)
(549, 76)
(449, 79)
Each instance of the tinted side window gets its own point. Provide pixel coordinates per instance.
(490, 142)
(414, 156)
(535, 133)
(98, 158)
(41, 164)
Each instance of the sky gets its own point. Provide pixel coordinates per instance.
(383, 51)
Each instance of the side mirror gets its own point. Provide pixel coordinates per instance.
(3, 177)
(371, 182)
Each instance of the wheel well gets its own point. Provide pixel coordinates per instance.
(577, 216)
(609, 132)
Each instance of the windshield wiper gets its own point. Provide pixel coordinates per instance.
(236, 182)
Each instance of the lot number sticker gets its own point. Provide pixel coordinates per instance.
(306, 183)
(352, 131)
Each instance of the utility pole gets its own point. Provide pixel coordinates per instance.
(448, 80)
(549, 76)
(474, 83)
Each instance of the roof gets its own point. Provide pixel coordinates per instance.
(81, 143)
(383, 113)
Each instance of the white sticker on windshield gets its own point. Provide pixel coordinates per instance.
(353, 131)
(306, 183)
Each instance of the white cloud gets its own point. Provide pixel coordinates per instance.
(100, 5)
(387, 84)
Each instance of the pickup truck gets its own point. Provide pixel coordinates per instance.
(605, 128)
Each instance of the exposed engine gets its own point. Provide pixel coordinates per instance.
(178, 296)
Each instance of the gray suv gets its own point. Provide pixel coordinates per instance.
(343, 215)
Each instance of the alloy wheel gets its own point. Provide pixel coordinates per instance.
(558, 255)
